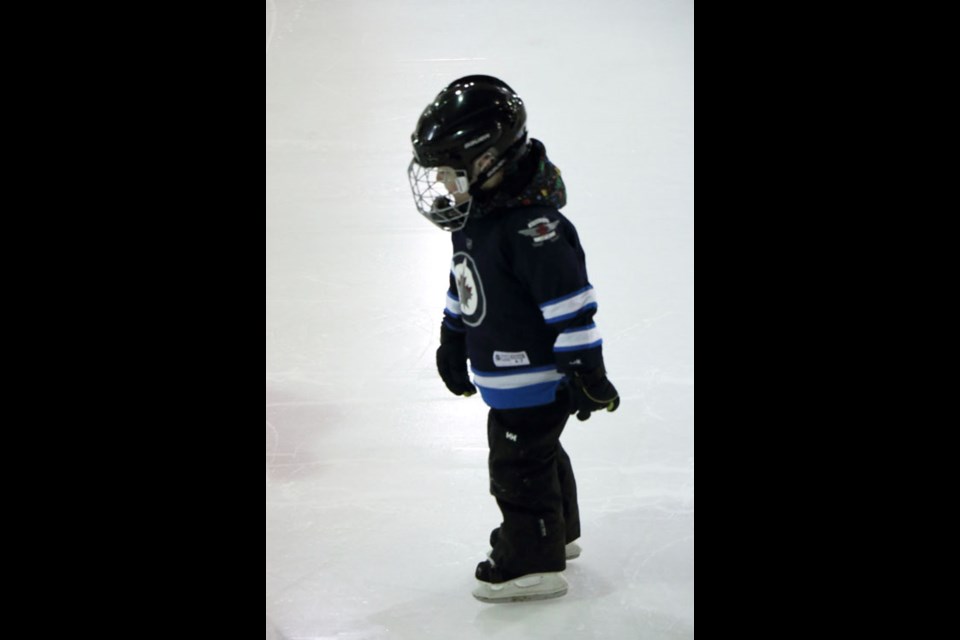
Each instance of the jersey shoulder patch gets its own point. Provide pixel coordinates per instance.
(541, 230)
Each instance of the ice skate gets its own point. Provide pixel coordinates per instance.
(533, 586)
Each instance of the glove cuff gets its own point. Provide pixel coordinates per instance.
(448, 335)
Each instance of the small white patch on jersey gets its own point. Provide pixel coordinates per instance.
(514, 359)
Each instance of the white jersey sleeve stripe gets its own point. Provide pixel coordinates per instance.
(570, 306)
(578, 339)
(453, 306)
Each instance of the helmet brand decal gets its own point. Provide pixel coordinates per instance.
(476, 141)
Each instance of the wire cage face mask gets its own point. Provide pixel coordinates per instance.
(442, 195)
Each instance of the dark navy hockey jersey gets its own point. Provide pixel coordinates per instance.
(519, 289)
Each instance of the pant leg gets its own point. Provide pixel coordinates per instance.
(525, 460)
(568, 488)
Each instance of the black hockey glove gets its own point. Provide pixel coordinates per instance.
(452, 362)
(591, 392)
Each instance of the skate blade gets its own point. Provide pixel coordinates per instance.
(535, 586)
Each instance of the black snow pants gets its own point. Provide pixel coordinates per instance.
(532, 480)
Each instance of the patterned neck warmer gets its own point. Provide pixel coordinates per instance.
(536, 181)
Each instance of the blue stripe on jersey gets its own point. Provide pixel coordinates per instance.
(592, 345)
(519, 388)
(533, 396)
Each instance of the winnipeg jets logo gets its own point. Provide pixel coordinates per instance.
(541, 230)
(465, 290)
(473, 303)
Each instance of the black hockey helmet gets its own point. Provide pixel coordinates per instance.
(472, 116)
(468, 118)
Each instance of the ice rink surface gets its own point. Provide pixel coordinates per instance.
(376, 484)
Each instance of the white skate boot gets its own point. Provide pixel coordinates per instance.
(533, 586)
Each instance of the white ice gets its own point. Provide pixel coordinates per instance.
(376, 484)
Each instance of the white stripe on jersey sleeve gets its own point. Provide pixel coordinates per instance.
(569, 306)
(453, 306)
(574, 339)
